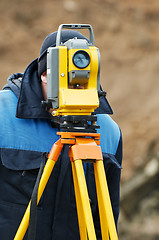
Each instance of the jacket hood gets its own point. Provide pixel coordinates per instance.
(14, 83)
(27, 87)
(29, 102)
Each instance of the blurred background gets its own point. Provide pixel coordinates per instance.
(127, 35)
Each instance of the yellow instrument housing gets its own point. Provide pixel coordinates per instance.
(77, 101)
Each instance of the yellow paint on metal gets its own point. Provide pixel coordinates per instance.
(108, 228)
(77, 101)
(82, 188)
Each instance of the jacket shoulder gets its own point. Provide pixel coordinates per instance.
(110, 133)
(7, 99)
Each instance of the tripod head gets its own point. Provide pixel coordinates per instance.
(73, 85)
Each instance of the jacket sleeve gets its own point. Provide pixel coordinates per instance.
(113, 174)
(113, 180)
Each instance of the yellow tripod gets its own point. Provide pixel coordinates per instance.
(83, 147)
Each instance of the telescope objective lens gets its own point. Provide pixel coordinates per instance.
(81, 59)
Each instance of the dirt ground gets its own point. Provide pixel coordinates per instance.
(127, 35)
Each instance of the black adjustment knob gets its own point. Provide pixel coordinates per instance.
(46, 104)
(101, 93)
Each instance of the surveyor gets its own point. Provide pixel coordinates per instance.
(27, 132)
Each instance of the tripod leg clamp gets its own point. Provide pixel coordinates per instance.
(85, 151)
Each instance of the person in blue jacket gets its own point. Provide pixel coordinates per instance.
(26, 132)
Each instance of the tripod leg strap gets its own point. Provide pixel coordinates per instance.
(33, 206)
(53, 157)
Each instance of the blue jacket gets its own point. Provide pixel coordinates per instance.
(26, 132)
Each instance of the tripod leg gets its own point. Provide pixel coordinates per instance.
(105, 209)
(83, 204)
(53, 156)
(82, 224)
